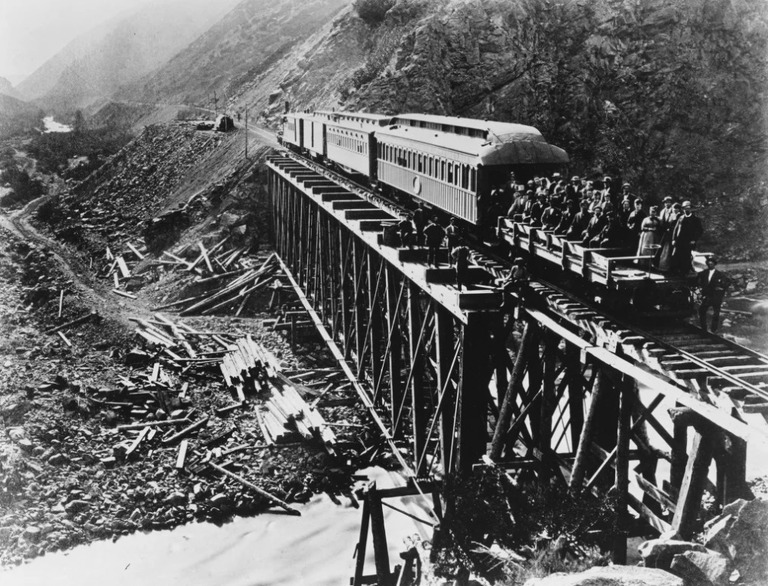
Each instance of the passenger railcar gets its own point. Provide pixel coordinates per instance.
(351, 140)
(293, 126)
(454, 163)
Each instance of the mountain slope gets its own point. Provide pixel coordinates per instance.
(98, 64)
(670, 97)
(7, 89)
(17, 116)
(253, 36)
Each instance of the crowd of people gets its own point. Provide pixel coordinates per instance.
(599, 214)
(596, 214)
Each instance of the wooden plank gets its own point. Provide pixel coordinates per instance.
(123, 267)
(135, 251)
(124, 294)
(282, 504)
(692, 488)
(64, 338)
(182, 454)
(207, 260)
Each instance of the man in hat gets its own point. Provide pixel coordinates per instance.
(609, 191)
(713, 285)
(688, 230)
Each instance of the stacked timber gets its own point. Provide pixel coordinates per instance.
(250, 369)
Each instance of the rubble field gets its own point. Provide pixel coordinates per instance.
(118, 416)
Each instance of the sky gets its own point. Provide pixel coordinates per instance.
(32, 31)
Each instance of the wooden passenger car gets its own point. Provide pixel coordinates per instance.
(452, 163)
(350, 140)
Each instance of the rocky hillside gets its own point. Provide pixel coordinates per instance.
(246, 42)
(99, 63)
(670, 97)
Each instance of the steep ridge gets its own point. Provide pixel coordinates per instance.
(99, 63)
(256, 34)
(671, 98)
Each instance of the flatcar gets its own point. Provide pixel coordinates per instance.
(624, 282)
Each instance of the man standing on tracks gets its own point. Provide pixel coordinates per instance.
(419, 222)
(713, 285)
(452, 233)
(461, 258)
(434, 235)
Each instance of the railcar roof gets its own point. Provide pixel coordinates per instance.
(493, 130)
(466, 144)
(507, 149)
(376, 119)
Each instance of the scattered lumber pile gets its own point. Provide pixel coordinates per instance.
(229, 289)
(122, 267)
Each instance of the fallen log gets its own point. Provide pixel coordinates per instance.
(74, 322)
(186, 431)
(282, 504)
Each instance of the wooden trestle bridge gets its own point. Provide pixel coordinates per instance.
(643, 415)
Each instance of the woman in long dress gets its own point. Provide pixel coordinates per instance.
(650, 233)
(665, 253)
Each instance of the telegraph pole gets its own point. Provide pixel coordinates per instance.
(246, 131)
(215, 104)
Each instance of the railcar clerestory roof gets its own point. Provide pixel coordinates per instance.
(487, 129)
(361, 118)
(512, 147)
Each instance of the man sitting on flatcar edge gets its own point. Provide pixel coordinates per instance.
(713, 285)
(514, 285)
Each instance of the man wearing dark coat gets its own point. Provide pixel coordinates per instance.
(713, 285)
(419, 220)
(687, 231)
(434, 234)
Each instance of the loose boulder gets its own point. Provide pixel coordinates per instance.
(701, 568)
(658, 553)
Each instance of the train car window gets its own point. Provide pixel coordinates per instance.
(420, 168)
(442, 170)
(450, 173)
(465, 176)
(472, 179)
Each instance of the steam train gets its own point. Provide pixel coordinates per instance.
(451, 164)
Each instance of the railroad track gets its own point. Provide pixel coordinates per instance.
(716, 370)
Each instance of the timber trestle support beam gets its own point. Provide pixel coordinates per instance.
(421, 350)
(453, 383)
